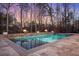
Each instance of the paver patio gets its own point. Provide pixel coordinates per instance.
(65, 47)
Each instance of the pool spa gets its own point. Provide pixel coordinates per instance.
(29, 42)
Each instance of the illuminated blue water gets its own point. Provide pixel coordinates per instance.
(44, 38)
(29, 42)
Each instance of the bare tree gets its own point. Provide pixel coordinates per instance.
(35, 17)
(23, 7)
(7, 6)
(43, 11)
(50, 12)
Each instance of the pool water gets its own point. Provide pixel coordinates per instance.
(30, 42)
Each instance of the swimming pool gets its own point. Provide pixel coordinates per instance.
(29, 42)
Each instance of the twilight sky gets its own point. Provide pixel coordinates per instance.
(15, 10)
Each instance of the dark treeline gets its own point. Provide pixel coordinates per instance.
(59, 18)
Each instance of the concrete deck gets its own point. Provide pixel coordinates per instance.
(65, 47)
(9, 48)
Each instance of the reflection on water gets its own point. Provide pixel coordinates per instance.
(30, 42)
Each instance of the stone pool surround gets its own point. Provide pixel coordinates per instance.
(68, 46)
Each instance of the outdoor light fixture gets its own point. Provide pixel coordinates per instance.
(24, 30)
(52, 31)
(5, 33)
(45, 30)
(37, 32)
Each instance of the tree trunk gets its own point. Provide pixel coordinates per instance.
(21, 19)
(35, 19)
(51, 18)
(7, 22)
(31, 18)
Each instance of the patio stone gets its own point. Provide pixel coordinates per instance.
(69, 50)
(49, 51)
(8, 51)
(3, 43)
(64, 47)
